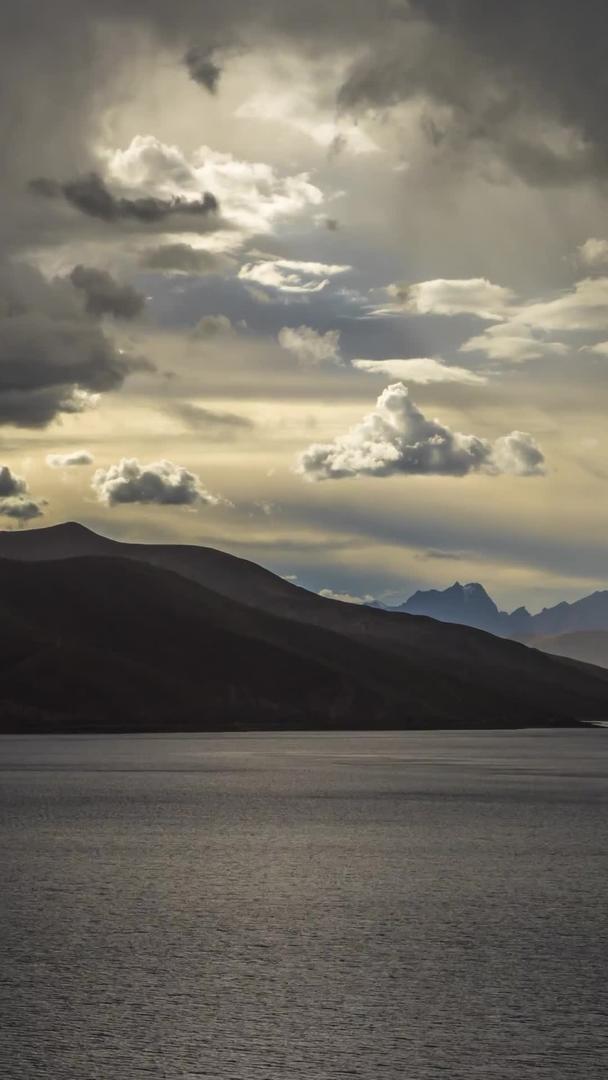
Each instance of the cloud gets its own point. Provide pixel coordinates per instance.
(395, 438)
(435, 554)
(10, 484)
(53, 358)
(518, 454)
(258, 295)
(44, 362)
(472, 296)
(585, 307)
(14, 497)
(202, 68)
(505, 76)
(81, 401)
(161, 483)
(309, 346)
(252, 195)
(521, 85)
(594, 252)
(346, 598)
(213, 326)
(20, 509)
(183, 258)
(599, 349)
(66, 461)
(104, 295)
(208, 423)
(422, 370)
(512, 342)
(92, 197)
(295, 107)
(290, 275)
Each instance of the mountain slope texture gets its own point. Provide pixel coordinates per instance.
(99, 635)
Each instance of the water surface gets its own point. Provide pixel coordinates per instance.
(321, 906)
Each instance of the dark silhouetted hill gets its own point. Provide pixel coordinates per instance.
(99, 635)
(588, 646)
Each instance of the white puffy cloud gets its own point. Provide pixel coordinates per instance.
(161, 482)
(512, 342)
(422, 370)
(396, 438)
(290, 275)
(519, 454)
(81, 401)
(594, 252)
(442, 296)
(252, 196)
(310, 346)
(585, 307)
(66, 461)
(346, 598)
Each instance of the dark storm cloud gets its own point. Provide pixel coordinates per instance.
(90, 195)
(43, 361)
(53, 357)
(203, 68)
(20, 509)
(495, 65)
(104, 295)
(10, 484)
(14, 497)
(489, 61)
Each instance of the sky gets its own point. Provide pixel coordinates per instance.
(321, 285)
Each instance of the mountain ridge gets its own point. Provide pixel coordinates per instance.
(471, 605)
(107, 635)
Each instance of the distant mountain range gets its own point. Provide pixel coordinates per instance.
(103, 636)
(563, 630)
(468, 605)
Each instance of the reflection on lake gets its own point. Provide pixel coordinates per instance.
(320, 906)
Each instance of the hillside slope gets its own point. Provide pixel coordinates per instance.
(587, 646)
(98, 641)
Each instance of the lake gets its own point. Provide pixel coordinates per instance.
(257, 907)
